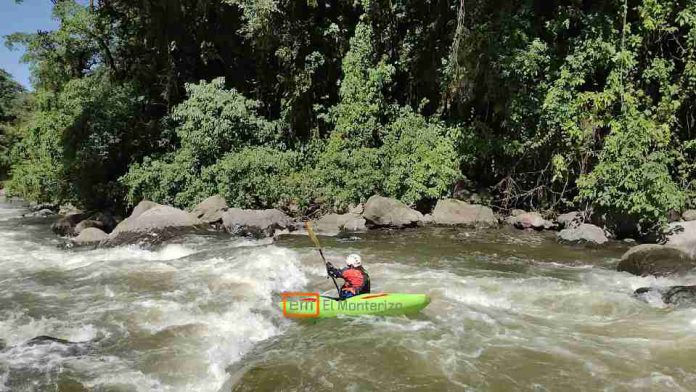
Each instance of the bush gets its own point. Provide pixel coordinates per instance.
(171, 179)
(78, 144)
(255, 177)
(348, 174)
(419, 159)
(632, 178)
(213, 121)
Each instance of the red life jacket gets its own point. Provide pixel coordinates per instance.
(354, 280)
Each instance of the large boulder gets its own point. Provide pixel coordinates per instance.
(683, 235)
(529, 220)
(385, 212)
(584, 233)
(142, 207)
(689, 215)
(65, 225)
(456, 212)
(255, 223)
(89, 236)
(152, 225)
(211, 209)
(676, 296)
(658, 260)
(569, 219)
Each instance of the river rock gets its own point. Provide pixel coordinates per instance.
(152, 225)
(689, 215)
(65, 226)
(255, 223)
(677, 296)
(211, 209)
(332, 224)
(456, 212)
(40, 213)
(658, 260)
(584, 233)
(569, 219)
(69, 209)
(142, 207)
(683, 235)
(680, 296)
(86, 224)
(356, 224)
(517, 212)
(90, 236)
(385, 212)
(357, 210)
(529, 220)
(35, 207)
(101, 220)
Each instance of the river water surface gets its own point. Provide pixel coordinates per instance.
(510, 311)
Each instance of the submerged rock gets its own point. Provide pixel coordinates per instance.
(456, 212)
(90, 236)
(677, 296)
(385, 212)
(211, 209)
(256, 223)
(152, 223)
(584, 233)
(658, 260)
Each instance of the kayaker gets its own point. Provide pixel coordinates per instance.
(357, 281)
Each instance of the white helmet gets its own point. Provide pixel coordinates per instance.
(353, 260)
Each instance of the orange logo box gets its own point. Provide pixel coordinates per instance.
(301, 296)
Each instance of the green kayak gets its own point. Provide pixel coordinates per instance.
(304, 305)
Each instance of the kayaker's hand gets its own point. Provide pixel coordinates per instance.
(331, 269)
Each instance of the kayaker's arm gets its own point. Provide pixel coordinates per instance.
(333, 271)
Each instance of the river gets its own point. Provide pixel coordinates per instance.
(511, 311)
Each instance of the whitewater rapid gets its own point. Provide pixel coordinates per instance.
(169, 319)
(509, 311)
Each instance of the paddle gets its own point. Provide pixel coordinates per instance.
(313, 237)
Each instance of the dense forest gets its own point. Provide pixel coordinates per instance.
(545, 105)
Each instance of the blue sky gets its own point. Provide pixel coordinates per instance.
(28, 17)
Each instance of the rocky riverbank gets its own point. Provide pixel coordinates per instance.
(151, 224)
